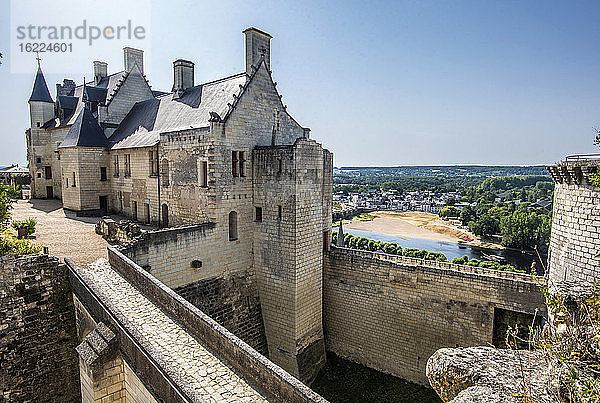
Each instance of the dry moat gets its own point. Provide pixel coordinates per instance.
(344, 381)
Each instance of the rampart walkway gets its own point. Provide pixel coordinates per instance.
(183, 357)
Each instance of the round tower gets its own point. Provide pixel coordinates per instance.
(574, 253)
(41, 110)
(41, 105)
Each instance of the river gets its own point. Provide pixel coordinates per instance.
(451, 249)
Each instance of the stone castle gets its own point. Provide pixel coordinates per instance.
(226, 153)
(240, 294)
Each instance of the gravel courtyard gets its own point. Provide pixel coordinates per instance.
(61, 231)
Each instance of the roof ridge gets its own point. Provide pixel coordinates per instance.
(222, 79)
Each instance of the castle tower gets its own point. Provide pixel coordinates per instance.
(574, 241)
(41, 110)
(288, 252)
(41, 105)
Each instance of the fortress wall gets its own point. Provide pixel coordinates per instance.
(393, 316)
(232, 302)
(257, 370)
(38, 361)
(575, 237)
(199, 266)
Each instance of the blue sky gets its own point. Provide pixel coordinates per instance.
(379, 83)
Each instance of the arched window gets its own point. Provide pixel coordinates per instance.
(164, 172)
(233, 233)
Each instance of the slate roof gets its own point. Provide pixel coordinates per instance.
(100, 93)
(96, 94)
(67, 102)
(85, 132)
(40, 89)
(146, 120)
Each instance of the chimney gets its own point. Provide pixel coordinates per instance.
(132, 57)
(258, 45)
(67, 87)
(183, 76)
(100, 71)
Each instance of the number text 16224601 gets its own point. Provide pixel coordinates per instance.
(46, 47)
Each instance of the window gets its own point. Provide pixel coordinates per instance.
(103, 173)
(234, 163)
(134, 210)
(153, 163)
(279, 212)
(241, 162)
(279, 166)
(73, 184)
(116, 165)
(67, 182)
(38, 160)
(165, 216)
(164, 172)
(48, 172)
(147, 213)
(127, 165)
(258, 214)
(233, 233)
(39, 174)
(38, 124)
(204, 176)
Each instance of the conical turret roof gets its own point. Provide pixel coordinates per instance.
(85, 132)
(40, 89)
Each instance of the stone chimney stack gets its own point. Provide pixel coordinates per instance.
(100, 71)
(132, 57)
(67, 87)
(183, 76)
(258, 45)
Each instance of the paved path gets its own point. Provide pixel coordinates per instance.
(61, 231)
(185, 359)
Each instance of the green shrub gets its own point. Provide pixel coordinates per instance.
(9, 245)
(28, 224)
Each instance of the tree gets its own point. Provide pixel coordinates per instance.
(467, 215)
(8, 195)
(486, 225)
(449, 211)
(525, 229)
(450, 201)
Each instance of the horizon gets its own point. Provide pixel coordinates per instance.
(416, 85)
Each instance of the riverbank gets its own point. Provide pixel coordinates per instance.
(417, 224)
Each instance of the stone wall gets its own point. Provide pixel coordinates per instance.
(191, 261)
(392, 315)
(80, 173)
(135, 189)
(575, 236)
(183, 161)
(275, 383)
(233, 302)
(38, 361)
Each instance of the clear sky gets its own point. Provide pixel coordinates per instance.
(379, 83)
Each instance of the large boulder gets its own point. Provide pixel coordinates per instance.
(486, 374)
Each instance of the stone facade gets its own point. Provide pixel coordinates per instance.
(575, 237)
(233, 302)
(392, 314)
(38, 361)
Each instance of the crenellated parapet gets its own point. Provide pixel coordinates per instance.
(575, 169)
(575, 239)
